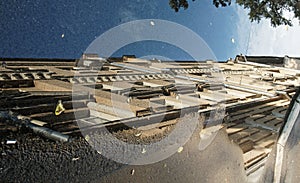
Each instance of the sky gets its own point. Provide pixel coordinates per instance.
(66, 29)
(263, 39)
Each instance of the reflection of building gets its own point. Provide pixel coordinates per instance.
(110, 92)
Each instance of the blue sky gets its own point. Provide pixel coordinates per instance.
(64, 29)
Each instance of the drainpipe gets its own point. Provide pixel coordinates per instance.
(43, 131)
(285, 133)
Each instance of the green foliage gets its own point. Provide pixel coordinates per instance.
(258, 9)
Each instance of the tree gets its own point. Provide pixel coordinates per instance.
(269, 9)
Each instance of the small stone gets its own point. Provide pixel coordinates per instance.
(232, 40)
(129, 100)
(152, 23)
(132, 172)
(143, 151)
(75, 159)
(180, 149)
(138, 134)
(11, 141)
(87, 138)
